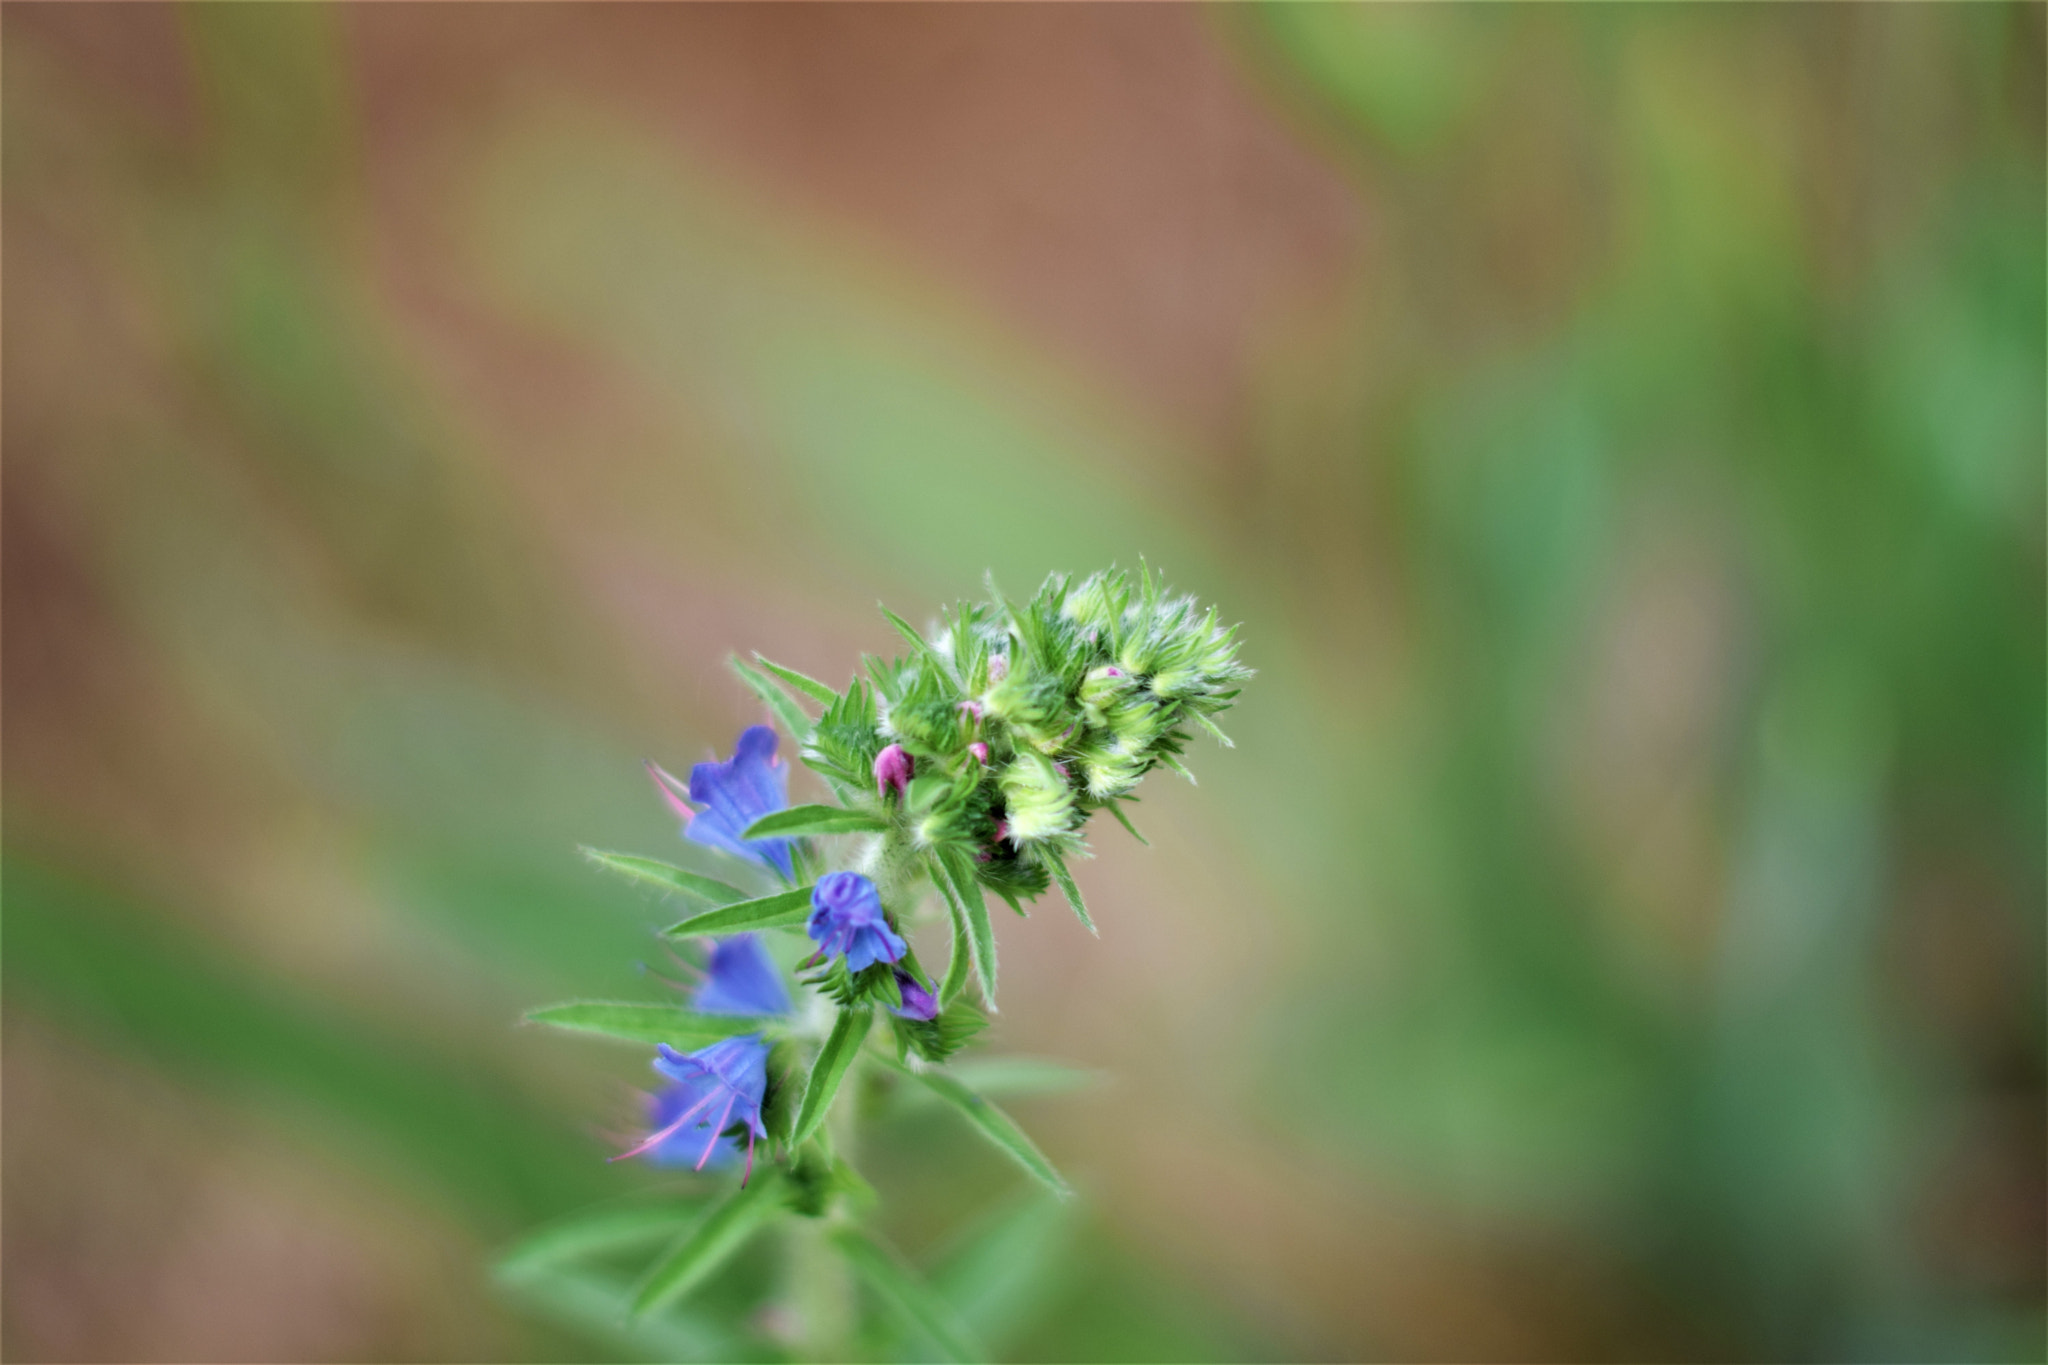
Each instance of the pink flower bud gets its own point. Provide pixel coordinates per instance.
(980, 752)
(892, 769)
(998, 667)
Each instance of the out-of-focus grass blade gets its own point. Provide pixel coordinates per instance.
(981, 935)
(708, 1243)
(801, 820)
(787, 711)
(641, 1023)
(992, 1123)
(1023, 1076)
(849, 1031)
(1058, 864)
(600, 1306)
(779, 911)
(666, 876)
(803, 683)
(904, 1290)
(1003, 1267)
(593, 1233)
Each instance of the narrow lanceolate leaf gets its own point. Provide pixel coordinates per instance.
(1213, 728)
(595, 1234)
(779, 911)
(1058, 864)
(981, 935)
(707, 889)
(708, 1243)
(957, 965)
(908, 632)
(835, 1058)
(1116, 808)
(992, 1123)
(905, 1291)
(809, 686)
(642, 1023)
(787, 711)
(801, 820)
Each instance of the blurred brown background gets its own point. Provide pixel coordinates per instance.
(1618, 933)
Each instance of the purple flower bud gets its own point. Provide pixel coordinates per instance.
(918, 1003)
(1112, 672)
(998, 667)
(892, 769)
(980, 752)
(972, 708)
(846, 917)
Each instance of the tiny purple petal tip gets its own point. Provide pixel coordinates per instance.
(892, 769)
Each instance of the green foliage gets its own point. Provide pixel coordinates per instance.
(595, 1232)
(992, 1123)
(809, 686)
(787, 711)
(642, 1023)
(802, 820)
(1058, 864)
(970, 907)
(939, 1037)
(783, 910)
(835, 1058)
(708, 1243)
(667, 877)
(920, 1307)
(843, 744)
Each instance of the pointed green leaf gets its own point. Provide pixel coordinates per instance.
(779, 911)
(991, 1122)
(842, 1045)
(907, 631)
(1116, 808)
(788, 712)
(595, 1234)
(642, 1023)
(708, 1243)
(957, 964)
(802, 820)
(1213, 728)
(668, 878)
(1055, 860)
(981, 935)
(916, 1303)
(809, 686)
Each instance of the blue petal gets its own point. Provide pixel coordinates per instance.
(742, 980)
(736, 793)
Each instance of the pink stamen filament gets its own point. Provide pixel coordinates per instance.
(716, 1129)
(665, 1134)
(670, 790)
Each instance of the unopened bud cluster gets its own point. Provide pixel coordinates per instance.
(1008, 725)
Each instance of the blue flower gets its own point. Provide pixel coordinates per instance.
(709, 1091)
(846, 917)
(918, 1003)
(733, 795)
(741, 980)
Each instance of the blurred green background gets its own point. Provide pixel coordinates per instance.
(1618, 933)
